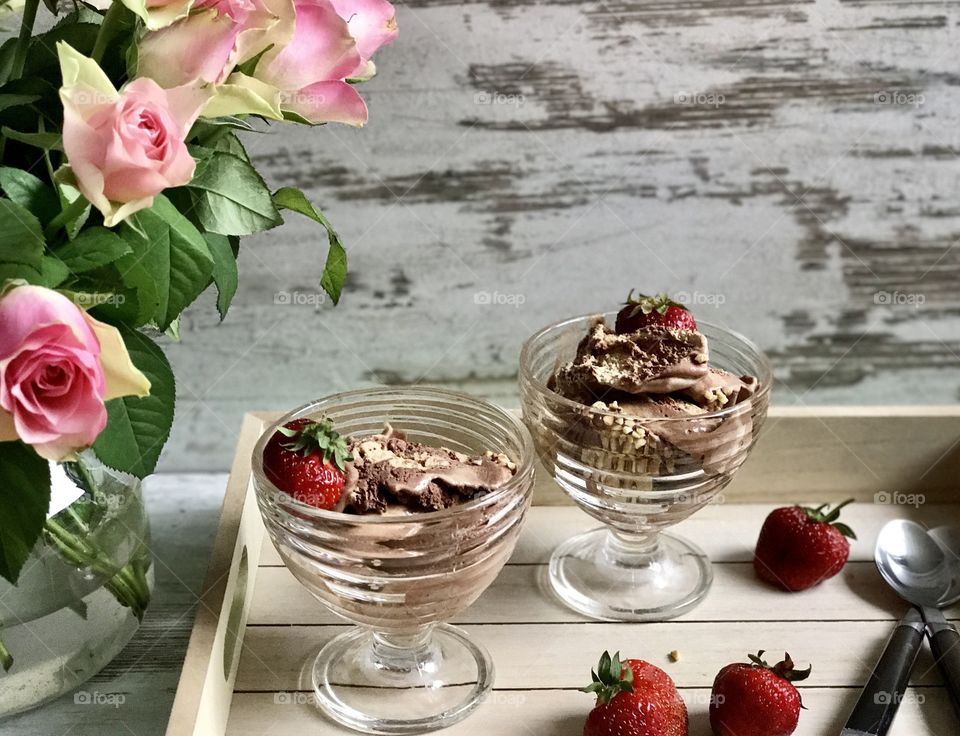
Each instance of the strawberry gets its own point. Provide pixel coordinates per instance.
(634, 698)
(643, 311)
(297, 460)
(756, 699)
(800, 547)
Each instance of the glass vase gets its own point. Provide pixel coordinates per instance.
(81, 594)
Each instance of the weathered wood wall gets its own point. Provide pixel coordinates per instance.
(792, 166)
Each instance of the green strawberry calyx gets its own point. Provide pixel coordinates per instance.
(784, 669)
(825, 515)
(318, 436)
(658, 303)
(610, 678)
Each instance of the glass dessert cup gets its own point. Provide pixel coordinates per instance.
(400, 576)
(637, 476)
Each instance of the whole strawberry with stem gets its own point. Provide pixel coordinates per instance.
(645, 311)
(800, 547)
(756, 699)
(307, 459)
(634, 698)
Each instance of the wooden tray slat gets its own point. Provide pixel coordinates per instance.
(527, 655)
(562, 712)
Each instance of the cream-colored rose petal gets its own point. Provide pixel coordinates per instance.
(243, 95)
(162, 16)
(122, 376)
(117, 212)
(80, 71)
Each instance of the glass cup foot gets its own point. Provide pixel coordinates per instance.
(401, 684)
(614, 577)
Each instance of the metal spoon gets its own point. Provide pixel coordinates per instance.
(916, 566)
(928, 578)
(913, 564)
(948, 537)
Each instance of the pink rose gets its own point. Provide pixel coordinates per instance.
(57, 367)
(124, 147)
(373, 23)
(330, 44)
(215, 37)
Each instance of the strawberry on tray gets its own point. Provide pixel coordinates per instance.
(756, 699)
(800, 547)
(634, 698)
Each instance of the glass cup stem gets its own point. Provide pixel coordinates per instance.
(405, 655)
(631, 549)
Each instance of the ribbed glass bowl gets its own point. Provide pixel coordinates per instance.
(636, 476)
(400, 576)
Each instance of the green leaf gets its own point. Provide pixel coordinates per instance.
(46, 141)
(92, 299)
(137, 428)
(231, 144)
(68, 194)
(7, 51)
(13, 100)
(24, 500)
(292, 117)
(30, 192)
(50, 273)
(93, 248)
(147, 305)
(76, 29)
(206, 128)
(170, 264)
(23, 100)
(53, 272)
(231, 198)
(131, 58)
(224, 270)
(21, 238)
(335, 269)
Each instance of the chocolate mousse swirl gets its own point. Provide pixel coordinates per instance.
(654, 360)
(391, 473)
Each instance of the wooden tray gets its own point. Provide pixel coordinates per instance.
(256, 626)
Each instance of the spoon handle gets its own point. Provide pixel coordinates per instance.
(945, 644)
(878, 703)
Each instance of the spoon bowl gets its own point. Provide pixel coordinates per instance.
(948, 537)
(914, 564)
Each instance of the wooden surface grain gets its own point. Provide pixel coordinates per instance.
(789, 167)
(840, 627)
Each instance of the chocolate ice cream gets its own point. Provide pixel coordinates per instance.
(655, 360)
(390, 473)
(635, 380)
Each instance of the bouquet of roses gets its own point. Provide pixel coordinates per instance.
(125, 192)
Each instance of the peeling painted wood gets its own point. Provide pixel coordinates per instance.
(791, 166)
